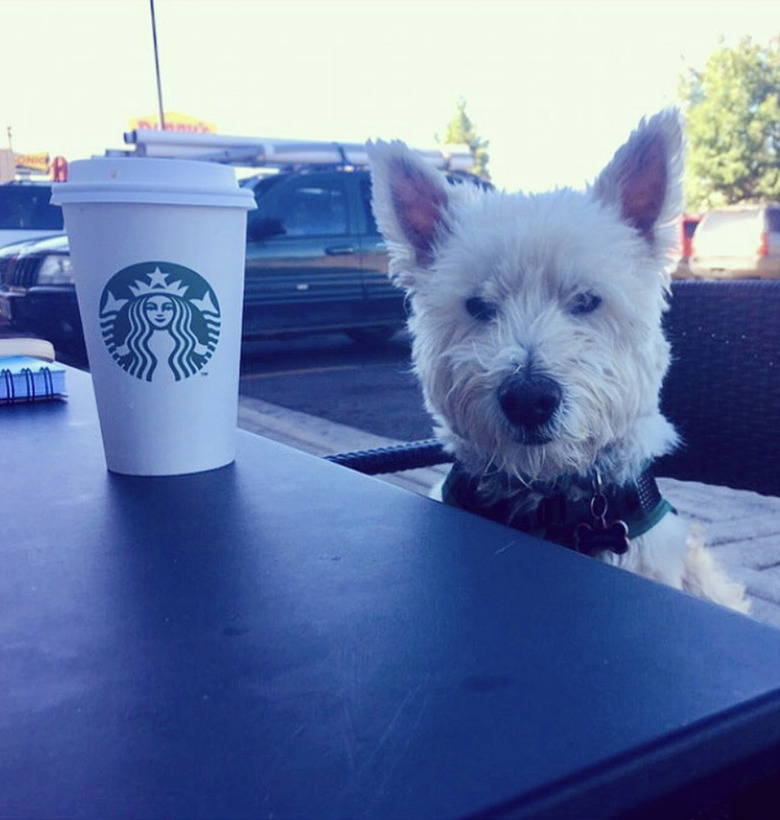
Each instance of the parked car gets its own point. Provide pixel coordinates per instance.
(37, 293)
(315, 262)
(738, 242)
(25, 212)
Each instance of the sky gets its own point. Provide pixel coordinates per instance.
(555, 86)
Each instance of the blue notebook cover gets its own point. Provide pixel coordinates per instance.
(27, 379)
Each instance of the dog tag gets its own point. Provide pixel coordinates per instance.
(592, 538)
(601, 535)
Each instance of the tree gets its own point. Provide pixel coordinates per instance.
(733, 126)
(461, 131)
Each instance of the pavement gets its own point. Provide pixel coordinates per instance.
(742, 528)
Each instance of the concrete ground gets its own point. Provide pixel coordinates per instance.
(742, 528)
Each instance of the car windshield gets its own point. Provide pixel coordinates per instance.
(721, 219)
(27, 207)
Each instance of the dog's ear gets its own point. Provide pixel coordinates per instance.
(644, 179)
(410, 200)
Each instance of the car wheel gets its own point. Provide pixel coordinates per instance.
(371, 335)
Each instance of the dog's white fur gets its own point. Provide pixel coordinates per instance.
(534, 261)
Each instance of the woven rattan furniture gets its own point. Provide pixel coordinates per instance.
(722, 391)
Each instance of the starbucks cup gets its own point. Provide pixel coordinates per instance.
(158, 251)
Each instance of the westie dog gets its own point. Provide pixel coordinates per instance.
(536, 324)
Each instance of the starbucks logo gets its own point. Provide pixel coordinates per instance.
(159, 320)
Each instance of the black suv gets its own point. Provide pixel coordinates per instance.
(315, 262)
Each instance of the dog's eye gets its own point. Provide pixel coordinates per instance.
(583, 303)
(481, 309)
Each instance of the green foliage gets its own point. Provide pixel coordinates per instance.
(733, 126)
(461, 131)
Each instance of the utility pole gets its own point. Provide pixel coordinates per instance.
(157, 68)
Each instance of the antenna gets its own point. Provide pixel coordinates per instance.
(157, 68)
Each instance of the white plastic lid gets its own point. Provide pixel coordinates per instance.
(151, 181)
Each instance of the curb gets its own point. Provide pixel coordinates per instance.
(321, 437)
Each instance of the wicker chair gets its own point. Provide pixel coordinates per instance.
(722, 391)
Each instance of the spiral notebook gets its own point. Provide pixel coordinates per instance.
(29, 379)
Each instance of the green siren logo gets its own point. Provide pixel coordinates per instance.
(159, 320)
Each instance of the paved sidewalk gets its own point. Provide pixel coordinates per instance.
(743, 528)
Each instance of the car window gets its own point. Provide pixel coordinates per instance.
(308, 208)
(27, 207)
(260, 185)
(773, 220)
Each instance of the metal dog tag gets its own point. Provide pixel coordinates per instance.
(594, 538)
(601, 534)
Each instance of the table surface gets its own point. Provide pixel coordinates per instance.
(286, 638)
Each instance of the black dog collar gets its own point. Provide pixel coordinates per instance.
(603, 518)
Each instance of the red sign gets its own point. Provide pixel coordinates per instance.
(59, 169)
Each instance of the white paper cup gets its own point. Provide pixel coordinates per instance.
(158, 251)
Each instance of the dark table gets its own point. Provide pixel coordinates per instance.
(284, 638)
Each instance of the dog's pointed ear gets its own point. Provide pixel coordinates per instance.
(644, 179)
(409, 199)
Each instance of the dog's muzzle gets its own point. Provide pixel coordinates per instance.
(529, 401)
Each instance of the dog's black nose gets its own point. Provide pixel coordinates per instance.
(529, 400)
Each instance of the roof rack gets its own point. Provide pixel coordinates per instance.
(275, 153)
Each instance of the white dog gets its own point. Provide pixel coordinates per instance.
(536, 322)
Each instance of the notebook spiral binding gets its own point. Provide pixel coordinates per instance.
(32, 391)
